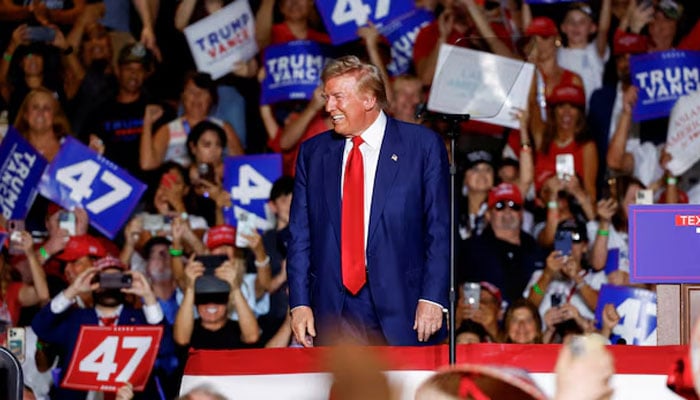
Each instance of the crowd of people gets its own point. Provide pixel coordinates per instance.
(120, 78)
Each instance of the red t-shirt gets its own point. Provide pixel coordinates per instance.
(547, 162)
(11, 299)
(289, 157)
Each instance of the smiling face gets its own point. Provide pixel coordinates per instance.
(33, 64)
(195, 100)
(212, 313)
(566, 117)
(351, 110)
(577, 26)
(40, 112)
(131, 76)
(522, 328)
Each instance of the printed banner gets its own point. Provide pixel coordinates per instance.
(249, 180)
(663, 243)
(402, 34)
(485, 86)
(222, 39)
(79, 177)
(21, 167)
(637, 310)
(683, 137)
(343, 17)
(663, 77)
(106, 358)
(293, 70)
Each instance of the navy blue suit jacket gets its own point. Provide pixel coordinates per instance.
(407, 248)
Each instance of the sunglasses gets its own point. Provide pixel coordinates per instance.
(501, 205)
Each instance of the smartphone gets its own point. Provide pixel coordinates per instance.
(246, 226)
(211, 262)
(16, 340)
(206, 172)
(14, 229)
(563, 242)
(66, 220)
(472, 294)
(645, 196)
(556, 299)
(153, 223)
(168, 180)
(40, 34)
(117, 280)
(565, 165)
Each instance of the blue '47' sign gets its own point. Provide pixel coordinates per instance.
(249, 179)
(79, 177)
(637, 310)
(344, 17)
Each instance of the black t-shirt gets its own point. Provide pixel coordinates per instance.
(226, 338)
(120, 125)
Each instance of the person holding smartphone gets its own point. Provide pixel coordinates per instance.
(58, 323)
(567, 285)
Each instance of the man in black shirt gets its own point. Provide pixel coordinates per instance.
(119, 122)
(503, 254)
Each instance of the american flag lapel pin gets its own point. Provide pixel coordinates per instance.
(394, 157)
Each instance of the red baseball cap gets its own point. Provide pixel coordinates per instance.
(491, 288)
(221, 235)
(567, 94)
(629, 43)
(505, 192)
(542, 26)
(109, 262)
(81, 246)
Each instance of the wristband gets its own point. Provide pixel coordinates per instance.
(175, 252)
(7, 57)
(603, 232)
(538, 289)
(552, 205)
(263, 263)
(671, 180)
(44, 253)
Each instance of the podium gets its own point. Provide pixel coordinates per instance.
(663, 244)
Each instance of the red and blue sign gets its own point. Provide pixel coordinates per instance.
(21, 167)
(662, 78)
(637, 310)
(293, 70)
(343, 17)
(663, 243)
(79, 177)
(249, 179)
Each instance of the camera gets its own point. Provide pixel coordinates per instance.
(117, 280)
(41, 34)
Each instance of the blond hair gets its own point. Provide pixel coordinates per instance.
(61, 127)
(369, 79)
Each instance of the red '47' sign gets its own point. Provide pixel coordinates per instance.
(106, 358)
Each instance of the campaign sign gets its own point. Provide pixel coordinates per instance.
(222, 39)
(683, 137)
(343, 17)
(79, 177)
(293, 70)
(612, 262)
(663, 243)
(502, 84)
(402, 33)
(107, 357)
(662, 77)
(249, 180)
(21, 167)
(637, 310)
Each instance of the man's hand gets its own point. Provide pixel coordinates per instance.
(428, 320)
(585, 375)
(303, 325)
(141, 288)
(82, 284)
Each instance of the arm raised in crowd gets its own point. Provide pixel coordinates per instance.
(294, 130)
(599, 250)
(232, 272)
(618, 159)
(184, 320)
(38, 293)
(153, 146)
(495, 43)
(263, 22)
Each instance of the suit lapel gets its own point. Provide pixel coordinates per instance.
(332, 170)
(387, 167)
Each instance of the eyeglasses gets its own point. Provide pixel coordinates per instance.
(500, 205)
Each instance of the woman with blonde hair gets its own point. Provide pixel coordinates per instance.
(41, 121)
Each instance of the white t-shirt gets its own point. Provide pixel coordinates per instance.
(587, 63)
(616, 240)
(567, 290)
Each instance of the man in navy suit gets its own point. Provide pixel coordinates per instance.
(368, 259)
(58, 323)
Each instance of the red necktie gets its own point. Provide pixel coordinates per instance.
(108, 321)
(352, 236)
